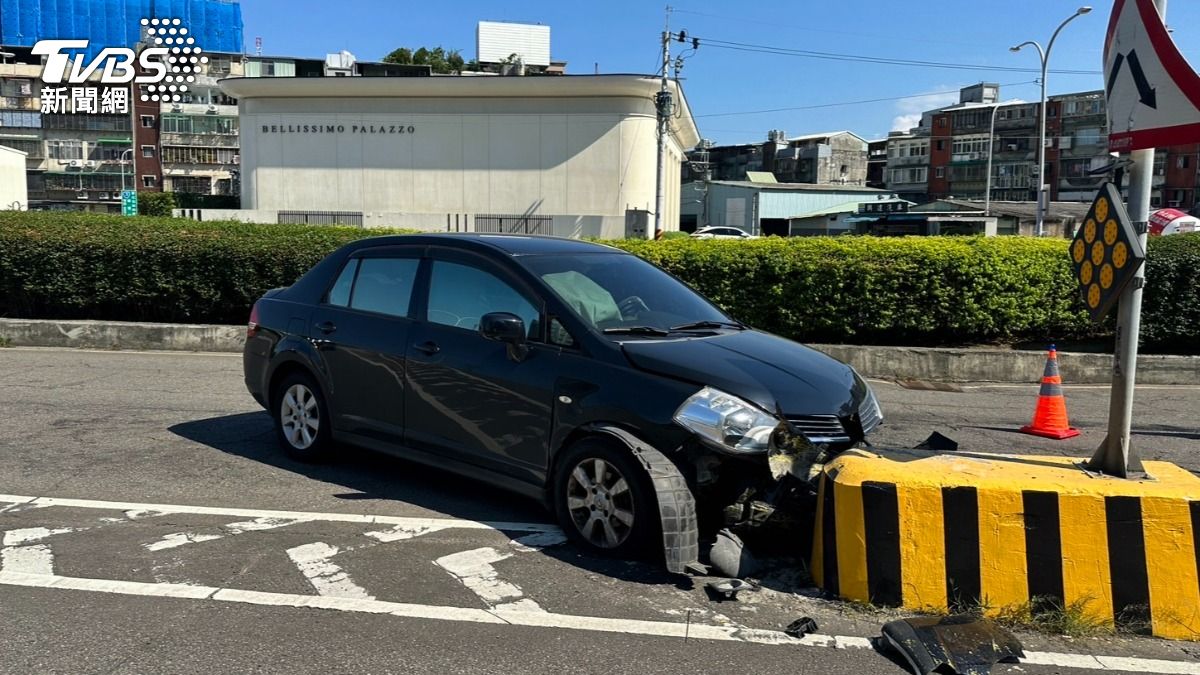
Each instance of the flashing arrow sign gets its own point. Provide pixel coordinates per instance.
(1158, 102)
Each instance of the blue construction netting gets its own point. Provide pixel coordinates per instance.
(216, 24)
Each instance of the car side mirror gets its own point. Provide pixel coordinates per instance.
(508, 328)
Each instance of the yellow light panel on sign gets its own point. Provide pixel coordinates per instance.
(1106, 253)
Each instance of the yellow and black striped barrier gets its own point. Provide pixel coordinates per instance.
(962, 531)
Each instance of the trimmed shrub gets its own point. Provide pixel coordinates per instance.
(86, 266)
(900, 291)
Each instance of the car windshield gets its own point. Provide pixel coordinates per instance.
(618, 293)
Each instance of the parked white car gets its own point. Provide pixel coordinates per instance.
(722, 233)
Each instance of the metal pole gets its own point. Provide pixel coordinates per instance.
(1041, 168)
(663, 111)
(1116, 456)
(987, 200)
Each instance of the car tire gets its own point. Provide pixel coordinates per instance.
(616, 516)
(301, 418)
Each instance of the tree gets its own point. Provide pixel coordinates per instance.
(438, 59)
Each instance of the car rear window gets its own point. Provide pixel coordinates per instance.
(340, 293)
(385, 285)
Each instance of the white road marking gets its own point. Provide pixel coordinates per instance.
(403, 532)
(177, 539)
(326, 576)
(30, 534)
(35, 559)
(475, 570)
(144, 510)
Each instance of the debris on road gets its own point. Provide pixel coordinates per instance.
(729, 555)
(801, 627)
(938, 443)
(964, 643)
(728, 589)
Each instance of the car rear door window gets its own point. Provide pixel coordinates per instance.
(340, 293)
(385, 285)
(460, 294)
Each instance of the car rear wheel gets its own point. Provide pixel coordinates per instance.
(604, 499)
(301, 420)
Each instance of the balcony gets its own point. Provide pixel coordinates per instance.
(200, 109)
(199, 140)
(964, 157)
(915, 160)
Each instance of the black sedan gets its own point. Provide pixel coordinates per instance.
(568, 371)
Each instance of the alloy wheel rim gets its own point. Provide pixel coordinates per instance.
(600, 502)
(299, 416)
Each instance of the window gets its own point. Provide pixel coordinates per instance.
(559, 334)
(31, 148)
(385, 285)
(147, 121)
(12, 118)
(1182, 162)
(147, 151)
(64, 149)
(941, 172)
(340, 293)
(197, 185)
(459, 295)
(941, 145)
(149, 181)
(1087, 136)
(86, 122)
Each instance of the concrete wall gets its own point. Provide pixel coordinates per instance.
(583, 157)
(14, 192)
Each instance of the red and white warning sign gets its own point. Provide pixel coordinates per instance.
(1153, 93)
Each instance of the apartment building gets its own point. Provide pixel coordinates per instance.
(829, 158)
(946, 156)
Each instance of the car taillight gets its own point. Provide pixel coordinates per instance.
(252, 325)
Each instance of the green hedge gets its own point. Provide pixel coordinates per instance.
(84, 266)
(904, 291)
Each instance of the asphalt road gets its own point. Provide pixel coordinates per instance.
(149, 524)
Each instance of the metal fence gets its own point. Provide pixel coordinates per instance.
(513, 224)
(351, 218)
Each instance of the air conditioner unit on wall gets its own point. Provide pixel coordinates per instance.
(74, 164)
(102, 195)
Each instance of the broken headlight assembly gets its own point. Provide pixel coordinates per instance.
(727, 422)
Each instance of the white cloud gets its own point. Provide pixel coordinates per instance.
(908, 110)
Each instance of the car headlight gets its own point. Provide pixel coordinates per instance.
(726, 421)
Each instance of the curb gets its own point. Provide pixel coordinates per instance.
(888, 363)
(122, 335)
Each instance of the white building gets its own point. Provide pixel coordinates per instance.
(570, 156)
(14, 193)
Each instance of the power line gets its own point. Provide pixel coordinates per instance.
(858, 102)
(859, 58)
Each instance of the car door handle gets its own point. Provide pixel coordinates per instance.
(326, 327)
(429, 348)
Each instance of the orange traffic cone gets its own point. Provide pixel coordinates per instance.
(1050, 416)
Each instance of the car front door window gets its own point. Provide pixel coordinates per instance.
(459, 295)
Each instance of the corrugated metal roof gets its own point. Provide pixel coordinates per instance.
(802, 187)
(761, 177)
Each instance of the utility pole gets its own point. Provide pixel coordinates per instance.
(663, 108)
(1116, 450)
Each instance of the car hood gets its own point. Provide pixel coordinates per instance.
(765, 369)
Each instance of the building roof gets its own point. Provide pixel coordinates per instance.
(849, 207)
(761, 177)
(827, 134)
(802, 187)
(1020, 210)
(564, 86)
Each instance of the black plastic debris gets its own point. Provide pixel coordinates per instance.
(938, 443)
(728, 589)
(729, 555)
(801, 627)
(963, 644)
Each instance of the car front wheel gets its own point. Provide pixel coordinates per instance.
(604, 500)
(301, 420)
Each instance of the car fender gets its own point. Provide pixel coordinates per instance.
(676, 503)
(297, 350)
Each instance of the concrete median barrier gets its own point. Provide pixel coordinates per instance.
(122, 335)
(1002, 534)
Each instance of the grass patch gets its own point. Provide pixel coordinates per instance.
(5, 342)
(1049, 615)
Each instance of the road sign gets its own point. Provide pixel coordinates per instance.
(129, 203)
(1106, 252)
(1153, 94)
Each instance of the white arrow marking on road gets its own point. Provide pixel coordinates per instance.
(475, 570)
(324, 575)
(176, 539)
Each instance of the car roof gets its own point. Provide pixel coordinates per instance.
(510, 244)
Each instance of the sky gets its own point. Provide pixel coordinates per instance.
(727, 87)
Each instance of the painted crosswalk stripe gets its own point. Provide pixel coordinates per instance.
(326, 576)
(177, 539)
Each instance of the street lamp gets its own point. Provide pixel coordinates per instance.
(122, 161)
(1044, 54)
